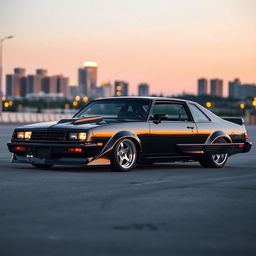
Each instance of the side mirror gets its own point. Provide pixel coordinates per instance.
(157, 118)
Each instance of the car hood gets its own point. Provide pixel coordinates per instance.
(73, 123)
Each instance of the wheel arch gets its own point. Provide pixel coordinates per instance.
(216, 135)
(106, 151)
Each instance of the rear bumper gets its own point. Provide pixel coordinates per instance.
(218, 148)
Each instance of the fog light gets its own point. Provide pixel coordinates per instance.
(19, 148)
(75, 150)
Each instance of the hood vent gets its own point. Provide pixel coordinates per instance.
(87, 120)
(84, 120)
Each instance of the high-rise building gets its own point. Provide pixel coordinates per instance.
(20, 71)
(34, 84)
(87, 78)
(92, 69)
(107, 90)
(23, 86)
(202, 86)
(62, 85)
(121, 88)
(83, 81)
(41, 72)
(143, 89)
(16, 83)
(49, 84)
(104, 90)
(216, 87)
(12, 85)
(73, 90)
(233, 88)
(19, 85)
(247, 91)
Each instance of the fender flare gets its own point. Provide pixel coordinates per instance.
(114, 139)
(217, 134)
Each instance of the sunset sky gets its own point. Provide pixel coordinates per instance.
(166, 43)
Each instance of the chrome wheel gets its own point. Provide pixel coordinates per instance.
(126, 153)
(219, 159)
(214, 160)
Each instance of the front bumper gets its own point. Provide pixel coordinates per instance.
(61, 161)
(44, 153)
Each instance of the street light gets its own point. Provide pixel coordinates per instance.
(1, 69)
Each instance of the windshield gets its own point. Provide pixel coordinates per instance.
(117, 109)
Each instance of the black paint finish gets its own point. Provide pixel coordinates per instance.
(154, 138)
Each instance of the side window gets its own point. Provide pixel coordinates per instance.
(174, 111)
(200, 116)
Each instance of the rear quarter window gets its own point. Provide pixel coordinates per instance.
(199, 115)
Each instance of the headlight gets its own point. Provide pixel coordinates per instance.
(24, 135)
(81, 135)
(77, 136)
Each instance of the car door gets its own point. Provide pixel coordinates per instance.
(177, 128)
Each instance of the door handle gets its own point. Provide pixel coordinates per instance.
(190, 127)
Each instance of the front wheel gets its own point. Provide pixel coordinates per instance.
(214, 160)
(124, 156)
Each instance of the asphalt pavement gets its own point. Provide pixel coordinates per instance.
(164, 209)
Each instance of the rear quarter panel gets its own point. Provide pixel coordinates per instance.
(234, 131)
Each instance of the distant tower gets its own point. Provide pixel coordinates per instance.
(62, 85)
(12, 85)
(16, 83)
(106, 90)
(34, 84)
(49, 84)
(41, 72)
(121, 88)
(202, 86)
(216, 87)
(143, 89)
(87, 78)
(233, 89)
(20, 71)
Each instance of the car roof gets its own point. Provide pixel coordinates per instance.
(145, 98)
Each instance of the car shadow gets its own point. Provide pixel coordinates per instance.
(107, 169)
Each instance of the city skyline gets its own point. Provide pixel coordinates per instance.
(183, 41)
(21, 84)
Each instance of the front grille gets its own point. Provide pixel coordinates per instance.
(48, 135)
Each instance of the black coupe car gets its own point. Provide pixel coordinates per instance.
(130, 130)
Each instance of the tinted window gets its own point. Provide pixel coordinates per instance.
(117, 109)
(200, 116)
(174, 111)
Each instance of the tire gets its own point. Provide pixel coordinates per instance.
(214, 160)
(43, 166)
(124, 156)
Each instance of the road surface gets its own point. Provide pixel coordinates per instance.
(164, 209)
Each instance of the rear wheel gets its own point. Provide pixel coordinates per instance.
(124, 156)
(214, 160)
(42, 166)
